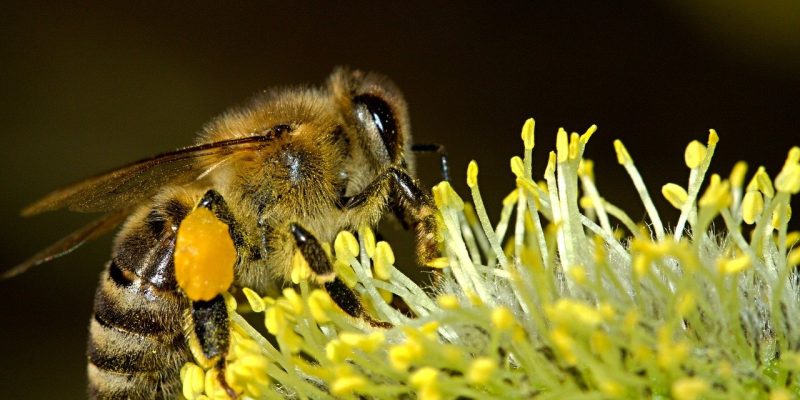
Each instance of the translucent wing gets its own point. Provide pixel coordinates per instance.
(129, 185)
(71, 242)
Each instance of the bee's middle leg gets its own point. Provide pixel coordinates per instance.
(318, 261)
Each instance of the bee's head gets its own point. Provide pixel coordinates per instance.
(376, 110)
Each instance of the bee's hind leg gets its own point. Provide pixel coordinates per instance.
(318, 261)
(208, 333)
(207, 323)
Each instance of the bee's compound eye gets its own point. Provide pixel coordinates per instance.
(373, 111)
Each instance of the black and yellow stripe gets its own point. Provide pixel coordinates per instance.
(136, 340)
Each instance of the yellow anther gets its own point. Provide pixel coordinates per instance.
(781, 394)
(568, 310)
(502, 318)
(347, 385)
(346, 246)
(630, 322)
(752, 206)
(367, 343)
(351, 338)
(794, 156)
(764, 183)
(402, 355)
(294, 300)
(430, 329)
(600, 342)
(529, 187)
(563, 341)
(368, 237)
(254, 361)
(193, 379)
(713, 138)
(438, 263)
(586, 168)
(511, 198)
(735, 265)
(204, 255)
(717, 194)
(230, 301)
(474, 298)
(738, 174)
(337, 351)
(788, 180)
(429, 392)
(551, 163)
(562, 145)
(670, 353)
(481, 370)
(345, 272)
(275, 320)
(472, 174)
(694, 154)
(586, 202)
(256, 302)
(588, 134)
(781, 211)
(383, 261)
(689, 388)
(527, 133)
(448, 301)
(612, 388)
(792, 238)
(641, 264)
(424, 376)
(574, 145)
(386, 295)
(675, 195)
(578, 274)
(292, 340)
(623, 157)
(517, 167)
(793, 258)
(607, 311)
(686, 304)
(372, 342)
(301, 271)
(445, 196)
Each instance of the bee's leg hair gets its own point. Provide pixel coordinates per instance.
(438, 149)
(318, 261)
(412, 205)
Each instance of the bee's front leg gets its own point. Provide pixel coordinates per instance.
(440, 151)
(318, 261)
(205, 257)
(411, 204)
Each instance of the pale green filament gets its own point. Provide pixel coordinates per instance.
(574, 306)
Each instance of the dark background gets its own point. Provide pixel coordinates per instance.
(86, 88)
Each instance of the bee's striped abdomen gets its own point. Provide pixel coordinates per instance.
(136, 342)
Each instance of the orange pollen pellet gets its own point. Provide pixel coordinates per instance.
(204, 255)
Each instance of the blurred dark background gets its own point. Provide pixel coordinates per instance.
(88, 87)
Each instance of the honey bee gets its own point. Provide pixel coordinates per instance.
(285, 172)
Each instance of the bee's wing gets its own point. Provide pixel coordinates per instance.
(127, 186)
(71, 242)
